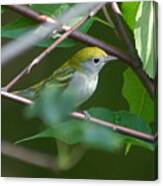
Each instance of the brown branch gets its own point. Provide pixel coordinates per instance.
(19, 99)
(119, 24)
(78, 115)
(45, 160)
(93, 41)
(30, 156)
(125, 36)
(26, 11)
(38, 59)
(75, 35)
(107, 16)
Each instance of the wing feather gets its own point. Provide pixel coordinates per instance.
(60, 78)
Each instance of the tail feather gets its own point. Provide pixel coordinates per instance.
(27, 93)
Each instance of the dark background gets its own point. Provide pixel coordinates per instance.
(138, 164)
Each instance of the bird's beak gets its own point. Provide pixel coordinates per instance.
(110, 58)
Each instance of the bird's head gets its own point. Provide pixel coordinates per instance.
(90, 60)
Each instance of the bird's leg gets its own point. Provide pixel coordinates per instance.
(86, 114)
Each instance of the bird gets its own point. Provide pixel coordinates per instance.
(80, 75)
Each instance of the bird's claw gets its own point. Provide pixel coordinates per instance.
(86, 114)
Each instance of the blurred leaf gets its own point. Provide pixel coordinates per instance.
(139, 100)
(122, 118)
(52, 10)
(16, 28)
(67, 42)
(52, 105)
(55, 10)
(23, 24)
(2, 9)
(145, 34)
(75, 131)
(127, 149)
(129, 10)
(68, 155)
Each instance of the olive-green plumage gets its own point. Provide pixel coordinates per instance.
(79, 73)
(84, 55)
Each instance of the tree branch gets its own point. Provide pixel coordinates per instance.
(26, 11)
(75, 35)
(92, 41)
(44, 30)
(45, 160)
(125, 36)
(38, 59)
(30, 156)
(78, 115)
(122, 31)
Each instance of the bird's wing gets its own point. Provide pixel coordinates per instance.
(60, 78)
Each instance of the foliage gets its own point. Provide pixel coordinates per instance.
(146, 36)
(139, 100)
(51, 9)
(142, 19)
(74, 131)
(21, 25)
(53, 109)
(129, 10)
(52, 106)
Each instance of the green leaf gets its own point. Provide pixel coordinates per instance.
(52, 10)
(52, 105)
(20, 26)
(81, 132)
(145, 34)
(17, 28)
(75, 131)
(128, 147)
(55, 10)
(2, 9)
(129, 10)
(139, 100)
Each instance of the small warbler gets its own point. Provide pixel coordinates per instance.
(80, 74)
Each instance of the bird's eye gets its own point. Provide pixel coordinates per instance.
(96, 60)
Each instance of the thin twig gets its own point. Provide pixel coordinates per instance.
(40, 32)
(107, 16)
(94, 41)
(122, 31)
(125, 36)
(76, 34)
(38, 59)
(16, 98)
(30, 156)
(26, 11)
(78, 115)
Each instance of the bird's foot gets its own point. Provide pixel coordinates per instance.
(86, 114)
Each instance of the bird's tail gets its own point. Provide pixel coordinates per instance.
(27, 93)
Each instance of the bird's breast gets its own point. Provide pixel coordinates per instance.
(83, 86)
